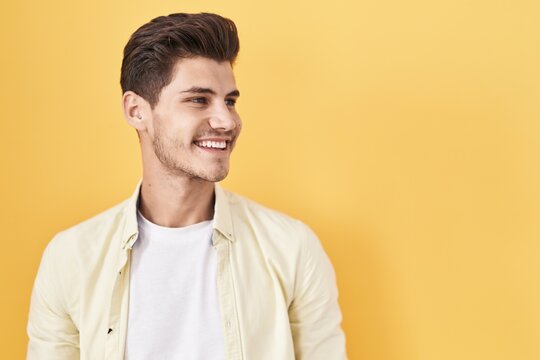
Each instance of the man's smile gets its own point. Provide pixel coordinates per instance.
(213, 144)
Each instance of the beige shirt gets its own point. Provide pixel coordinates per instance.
(277, 288)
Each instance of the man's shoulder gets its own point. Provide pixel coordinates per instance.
(99, 222)
(92, 230)
(249, 211)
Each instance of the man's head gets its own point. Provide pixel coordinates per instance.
(153, 50)
(180, 93)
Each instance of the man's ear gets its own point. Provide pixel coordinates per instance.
(136, 110)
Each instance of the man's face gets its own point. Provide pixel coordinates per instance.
(195, 123)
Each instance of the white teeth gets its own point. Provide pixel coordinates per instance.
(212, 144)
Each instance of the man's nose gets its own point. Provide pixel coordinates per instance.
(223, 118)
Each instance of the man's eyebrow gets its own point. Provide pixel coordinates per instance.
(201, 90)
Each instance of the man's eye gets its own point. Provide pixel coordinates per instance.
(230, 102)
(199, 100)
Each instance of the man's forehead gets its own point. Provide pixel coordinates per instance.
(202, 66)
(203, 73)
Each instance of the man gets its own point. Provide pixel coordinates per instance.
(185, 269)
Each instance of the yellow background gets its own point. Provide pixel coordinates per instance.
(406, 133)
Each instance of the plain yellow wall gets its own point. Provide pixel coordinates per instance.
(406, 133)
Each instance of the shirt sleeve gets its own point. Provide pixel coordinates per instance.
(314, 313)
(51, 331)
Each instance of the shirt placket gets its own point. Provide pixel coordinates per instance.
(227, 298)
(116, 332)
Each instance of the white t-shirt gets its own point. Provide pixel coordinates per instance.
(173, 304)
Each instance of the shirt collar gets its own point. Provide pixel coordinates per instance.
(222, 216)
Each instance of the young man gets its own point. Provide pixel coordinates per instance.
(185, 269)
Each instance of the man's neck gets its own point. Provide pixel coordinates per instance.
(176, 201)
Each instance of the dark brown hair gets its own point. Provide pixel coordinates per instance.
(153, 50)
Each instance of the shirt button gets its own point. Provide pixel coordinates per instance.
(228, 324)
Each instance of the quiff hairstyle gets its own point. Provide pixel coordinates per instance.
(153, 50)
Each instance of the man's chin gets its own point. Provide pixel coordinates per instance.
(213, 176)
(216, 177)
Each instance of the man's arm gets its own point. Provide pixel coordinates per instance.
(314, 313)
(52, 334)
